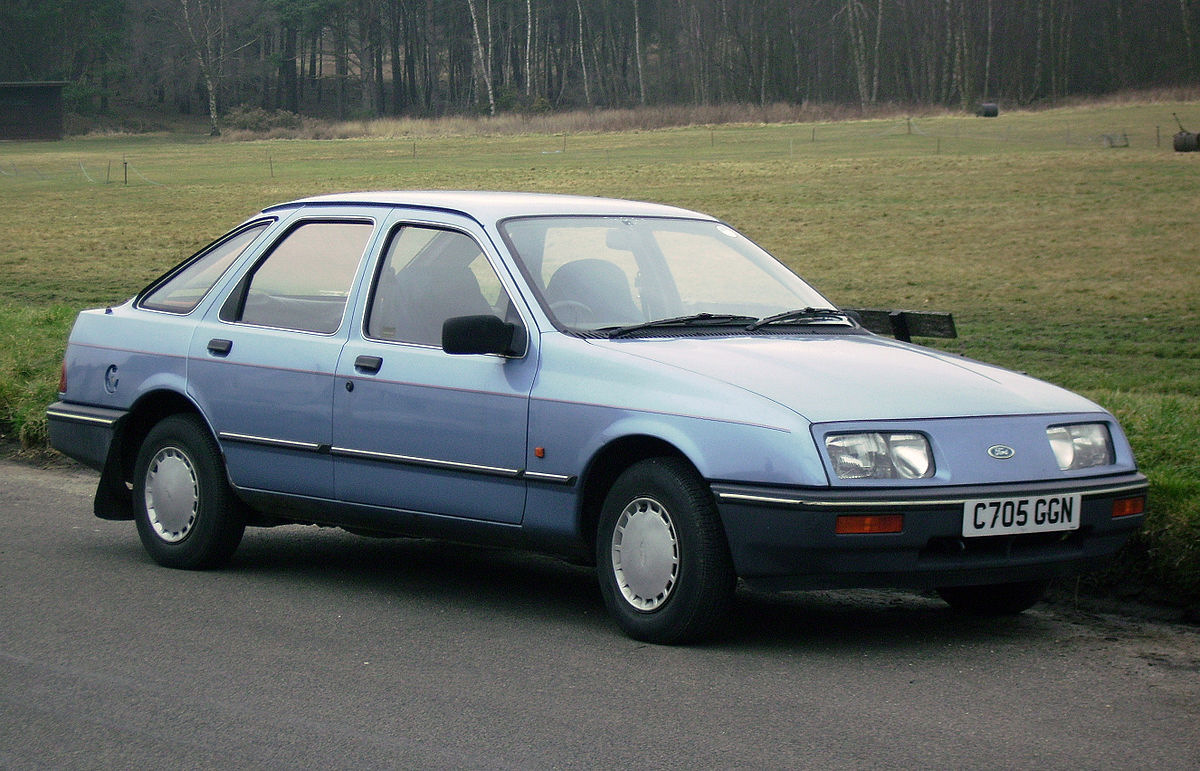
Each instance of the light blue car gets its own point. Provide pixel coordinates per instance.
(626, 383)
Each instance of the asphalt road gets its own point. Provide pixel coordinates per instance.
(319, 649)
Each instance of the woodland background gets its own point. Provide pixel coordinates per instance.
(358, 59)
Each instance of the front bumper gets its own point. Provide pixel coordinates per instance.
(785, 538)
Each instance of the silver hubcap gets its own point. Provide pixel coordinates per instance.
(645, 554)
(172, 494)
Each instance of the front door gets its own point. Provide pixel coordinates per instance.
(417, 429)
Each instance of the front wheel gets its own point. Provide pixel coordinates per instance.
(187, 515)
(994, 599)
(663, 562)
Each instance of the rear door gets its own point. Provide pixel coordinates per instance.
(261, 366)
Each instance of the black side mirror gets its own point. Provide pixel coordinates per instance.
(481, 334)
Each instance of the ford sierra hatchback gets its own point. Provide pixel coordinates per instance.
(630, 384)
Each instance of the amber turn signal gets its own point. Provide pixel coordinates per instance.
(867, 524)
(1127, 507)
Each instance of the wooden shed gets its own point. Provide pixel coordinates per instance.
(31, 110)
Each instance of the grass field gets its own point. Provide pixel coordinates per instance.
(1058, 254)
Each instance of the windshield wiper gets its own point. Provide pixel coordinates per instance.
(694, 320)
(801, 315)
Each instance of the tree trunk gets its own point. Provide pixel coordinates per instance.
(1062, 57)
(485, 70)
(637, 51)
(380, 87)
(1039, 50)
(288, 82)
(987, 57)
(587, 87)
(858, 49)
(528, 48)
(1185, 14)
(964, 57)
(875, 55)
(949, 74)
(395, 30)
(339, 63)
(206, 35)
(211, 85)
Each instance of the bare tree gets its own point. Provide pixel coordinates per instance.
(528, 48)
(1185, 15)
(637, 51)
(865, 61)
(587, 88)
(987, 59)
(1040, 51)
(875, 58)
(203, 24)
(483, 58)
(338, 57)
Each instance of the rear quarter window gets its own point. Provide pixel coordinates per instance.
(183, 289)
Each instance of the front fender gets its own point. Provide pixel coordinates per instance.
(724, 450)
(589, 396)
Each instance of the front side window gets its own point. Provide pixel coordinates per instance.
(596, 273)
(185, 287)
(304, 282)
(429, 275)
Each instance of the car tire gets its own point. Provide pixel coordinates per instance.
(662, 559)
(187, 515)
(994, 599)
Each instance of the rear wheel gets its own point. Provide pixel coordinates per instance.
(187, 515)
(994, 599)
(661, 555)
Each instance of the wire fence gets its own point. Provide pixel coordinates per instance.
(383, 156)
(79, 172)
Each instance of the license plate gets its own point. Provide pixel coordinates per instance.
(1012, 516)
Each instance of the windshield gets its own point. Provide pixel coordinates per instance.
(604, 273)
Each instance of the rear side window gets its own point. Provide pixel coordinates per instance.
(304, 282)
(183, 291)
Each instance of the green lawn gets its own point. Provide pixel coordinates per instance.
(1059, 255)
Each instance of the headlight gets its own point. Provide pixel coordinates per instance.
(880, 456)
(1082, 445)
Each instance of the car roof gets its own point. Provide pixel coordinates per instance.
(486, 206)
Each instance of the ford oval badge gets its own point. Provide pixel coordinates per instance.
(1001, 451)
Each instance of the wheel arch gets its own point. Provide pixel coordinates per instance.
(608, 464)
(113, 499)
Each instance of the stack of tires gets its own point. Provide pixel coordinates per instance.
(1186, 142)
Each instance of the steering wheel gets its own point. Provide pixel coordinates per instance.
(571, 311)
